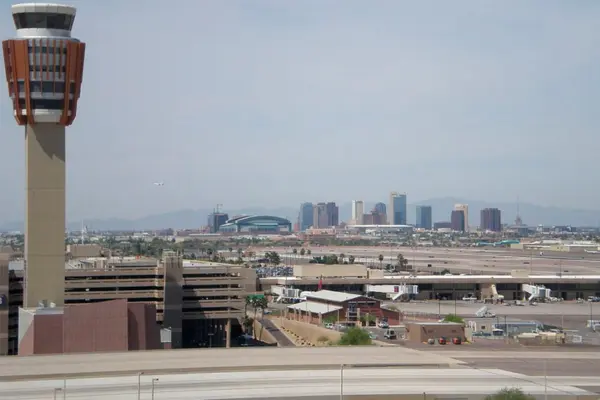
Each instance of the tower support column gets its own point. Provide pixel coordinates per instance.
(44, 214)
(228, 333)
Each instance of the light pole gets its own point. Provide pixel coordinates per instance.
(154, 380)
(454, 295)
(140, 384)
(545, 379)
(56, 390)
(342, 382)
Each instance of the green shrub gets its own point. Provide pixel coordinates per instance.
(510, 394)
(355, 337)
(454, 318)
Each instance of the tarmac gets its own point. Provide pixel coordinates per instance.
(466, 260)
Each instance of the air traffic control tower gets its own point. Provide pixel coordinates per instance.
(44, 70)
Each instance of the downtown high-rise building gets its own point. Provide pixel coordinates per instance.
(325, 215)
(358, 211)
(424, 217)
(320, 216)
(305, 216)
(397, 209)
(491, 220)
(380, 208)
(457, 221)
(465, 210)
(215, 220)
(333, 214)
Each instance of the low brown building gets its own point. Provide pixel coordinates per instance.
(423, 331)
(343, 307)
(109, 326)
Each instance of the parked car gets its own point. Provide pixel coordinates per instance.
(390, 334)
(383, 325)
(329, 325)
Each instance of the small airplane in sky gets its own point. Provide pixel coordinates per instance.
(159, 184)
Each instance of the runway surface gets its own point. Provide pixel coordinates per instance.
(463, 260)
(280, 384)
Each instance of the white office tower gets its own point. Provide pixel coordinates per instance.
(358, 212)
(465, 209)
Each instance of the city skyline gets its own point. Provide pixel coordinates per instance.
(330, 84)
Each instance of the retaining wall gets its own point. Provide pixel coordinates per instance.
(310, 332)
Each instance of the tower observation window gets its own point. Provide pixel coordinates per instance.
(43, 21)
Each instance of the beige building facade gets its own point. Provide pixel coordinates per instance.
(192, 299)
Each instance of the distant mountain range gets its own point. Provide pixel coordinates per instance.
(531, 214)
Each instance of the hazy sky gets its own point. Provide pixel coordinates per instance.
(276, 102)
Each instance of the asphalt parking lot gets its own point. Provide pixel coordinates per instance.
(380, 332)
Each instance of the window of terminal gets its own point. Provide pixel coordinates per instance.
(32, 20)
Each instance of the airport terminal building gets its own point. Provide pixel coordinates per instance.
(355, 278)
(200, 304)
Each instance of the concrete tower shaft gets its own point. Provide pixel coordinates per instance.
(44, 71)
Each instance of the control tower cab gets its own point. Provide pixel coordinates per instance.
(44, 64)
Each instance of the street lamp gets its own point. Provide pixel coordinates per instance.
(56, 390)
(140, 384)
(154, 380)
(342, 382)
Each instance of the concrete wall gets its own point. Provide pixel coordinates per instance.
(84, 250)
(263, 334)
(310, 332)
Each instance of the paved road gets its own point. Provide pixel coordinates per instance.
(539, 366)
(281, 384)
(281, 338)
(548, 355)
(211, 360)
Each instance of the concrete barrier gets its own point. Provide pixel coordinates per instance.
(263, 334)
(311, 333)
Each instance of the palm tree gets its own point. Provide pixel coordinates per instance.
(380, 258)
(308, 252)
(295, 251)
(341, 258)
(302, 251)
(402, 262)
(351, 259)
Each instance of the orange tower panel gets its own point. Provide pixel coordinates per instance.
(44, 74)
